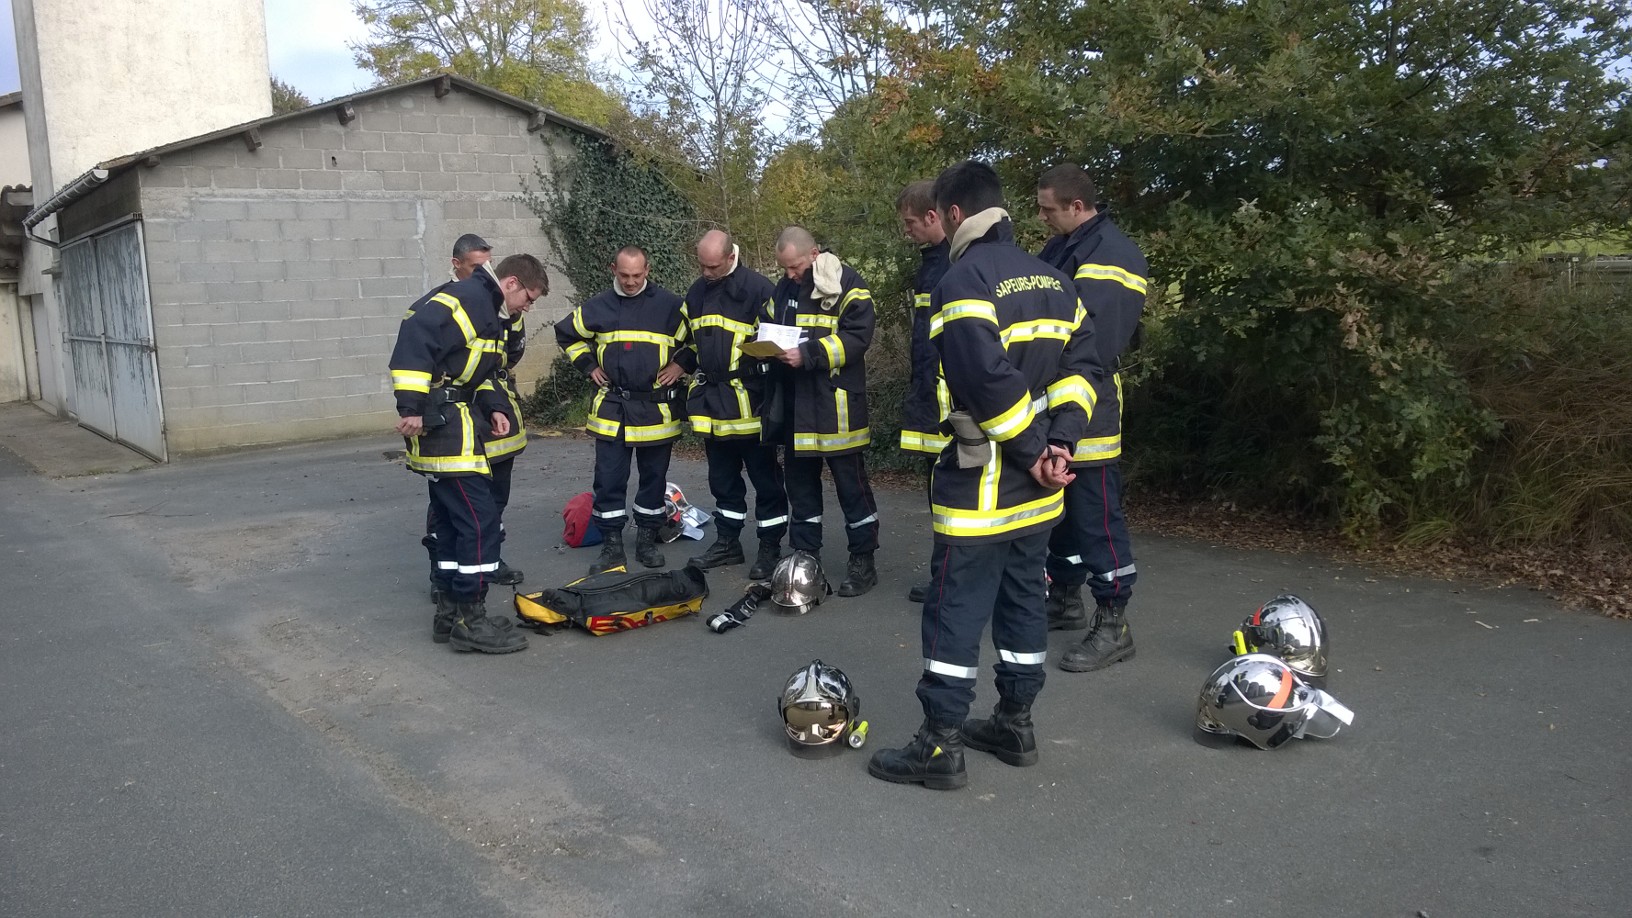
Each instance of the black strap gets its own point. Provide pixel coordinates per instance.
(667, 394)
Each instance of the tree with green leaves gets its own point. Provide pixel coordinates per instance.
(537, 50)
(1319, 184)
(286, 98)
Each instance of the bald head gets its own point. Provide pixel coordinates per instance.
(716, 255)
(796, 238)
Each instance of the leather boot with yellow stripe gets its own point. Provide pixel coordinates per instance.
(1109, 640)
(934, 759)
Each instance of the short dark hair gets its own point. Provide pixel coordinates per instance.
(526, 269)
(633, 250)
(470, 242)
(1067, 182)
(971, 185)
(917, 198)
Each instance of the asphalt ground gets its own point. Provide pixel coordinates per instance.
(221, 698)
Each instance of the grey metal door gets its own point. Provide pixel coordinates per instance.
(109, 321)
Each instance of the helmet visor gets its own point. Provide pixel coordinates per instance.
(1329, 717)
(814, 722)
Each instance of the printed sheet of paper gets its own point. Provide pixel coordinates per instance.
(773, 339)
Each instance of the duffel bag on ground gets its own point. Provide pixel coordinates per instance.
(615, 601)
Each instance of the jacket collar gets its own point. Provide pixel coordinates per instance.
(990, 225)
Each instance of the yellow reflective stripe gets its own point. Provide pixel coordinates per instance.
(1072, 390)
(831, 443)
(841, 405)
(707, 426)
(410, 381)
(719, 321)
(578, 324)
(920, 442)
(1011, 422)
(1037, 329)
(860, 293)
(641, 337)
(742, 400)
(457, 310)
(650, 432)
(498, 449)
(1121, 276)
(834, 348)
(920, 301)
(600, 425)
(962, 309)
(444, 464)
(953, 521)
(1098, 448)
(943, 396)
(817, 320)
(577, 349)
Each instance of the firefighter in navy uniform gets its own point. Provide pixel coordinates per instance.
(630, 341)
(722, 311)
(823, 395)
(442, 370)
(1016, 349)
(470, 252)
(502, 451)
(1091, 543)
(927, 401)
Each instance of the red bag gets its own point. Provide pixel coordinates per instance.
(576, 528)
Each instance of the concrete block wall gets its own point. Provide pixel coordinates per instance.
(280, 275)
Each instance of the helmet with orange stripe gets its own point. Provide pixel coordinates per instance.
(1260, 699)
(1290, 629)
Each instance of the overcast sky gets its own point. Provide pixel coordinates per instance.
(306, 41)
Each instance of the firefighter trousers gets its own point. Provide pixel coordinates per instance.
(467, 535)
(1091, 541)
(500, 487)
(804, 480)
(612, 461)
(726, 461)
(969, 584)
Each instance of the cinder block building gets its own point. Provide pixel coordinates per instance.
(245, 286)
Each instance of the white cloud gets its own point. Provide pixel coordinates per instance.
(307, 45)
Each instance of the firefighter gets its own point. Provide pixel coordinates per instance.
(1015, 346)
(1091, 543)
(470, 252)
(443, 368)
(629, 342)
(822, 386)
(721, 312)
(927, 404)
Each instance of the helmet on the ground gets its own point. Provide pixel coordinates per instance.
(798, 583)
(1260, 699)
(1290, 629)
(821, 711)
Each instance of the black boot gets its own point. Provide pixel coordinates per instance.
(765, 562)
(934, 759)
(860, 576)
(1109, 640)
(646, 548)
(474, 630)
(1007, 734)
(919, 592)
(442, 621)
(507, 575)
(726, 550)
(1065, 609)
(612, 555)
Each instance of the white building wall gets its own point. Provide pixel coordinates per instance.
(14, 147)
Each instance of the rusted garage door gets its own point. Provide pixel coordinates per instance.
(109, 322)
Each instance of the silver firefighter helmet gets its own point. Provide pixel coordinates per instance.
(1260, 699)
(798, 584)
(821, 712)
(1290, 629)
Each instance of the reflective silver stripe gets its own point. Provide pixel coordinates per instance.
(947, 669)
(648, 512)
(731, 514)
(478, 568)
(864, 521)
(814, 519)
(501, 525)
(447, 565)
(1028, 659)
(609, 514)
(1119, 572)
(1072, 559)
(778, 521)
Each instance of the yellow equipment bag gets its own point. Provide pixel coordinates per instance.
(615, 601)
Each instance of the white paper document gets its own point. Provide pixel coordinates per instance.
(783, 336)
